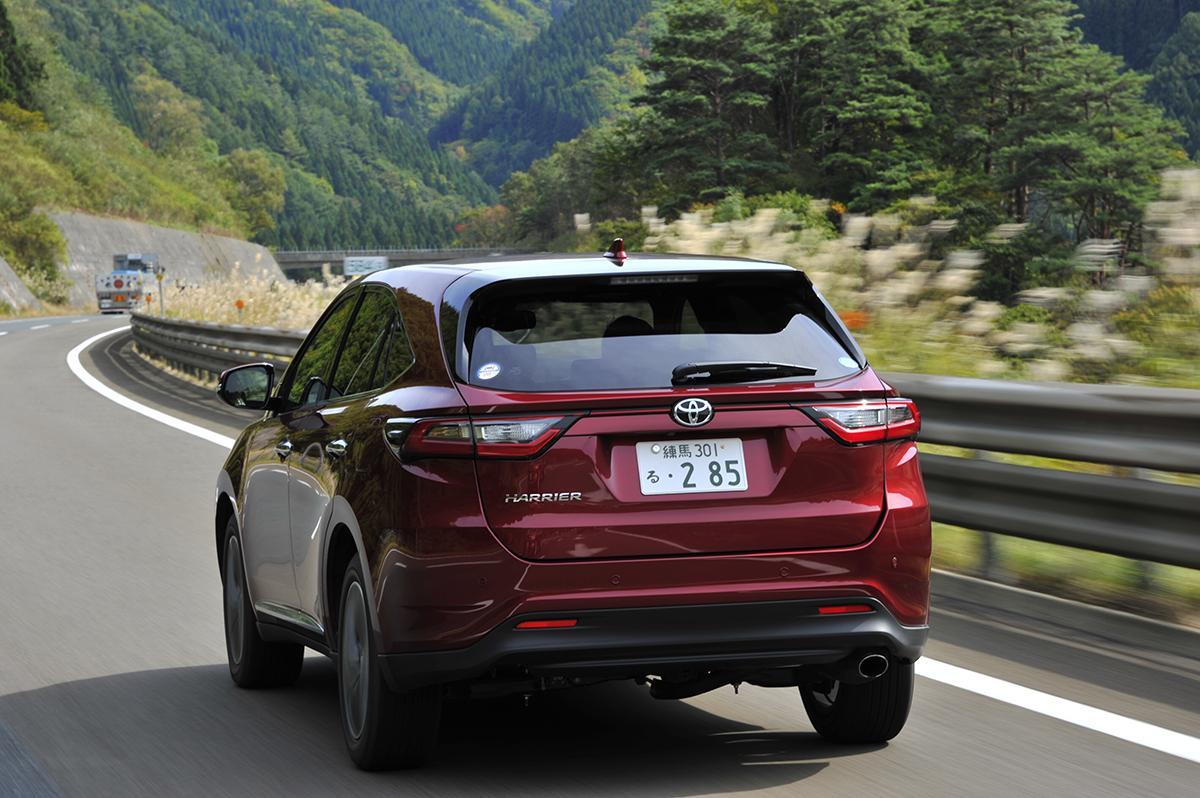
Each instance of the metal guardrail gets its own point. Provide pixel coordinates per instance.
(1127, 427)
(1122, 425)
(212, 348)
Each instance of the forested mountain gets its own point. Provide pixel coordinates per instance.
(465, 41)
(327, 94)
(570, 76)
(1136, 30)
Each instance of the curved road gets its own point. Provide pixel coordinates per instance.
(113, 682)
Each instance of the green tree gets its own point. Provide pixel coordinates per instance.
(20, 69)
(1040, 120)
(1098, 147)
(712, 80)
(805, 35)
(171, 121)
(257, 190)
(868, 141)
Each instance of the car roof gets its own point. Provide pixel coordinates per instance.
(487, 270)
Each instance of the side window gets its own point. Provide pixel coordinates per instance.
(360, 356)
(376, 350)
(308, 384)
(397, 354)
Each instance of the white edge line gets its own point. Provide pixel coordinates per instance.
(1099, 720)
(137, 407)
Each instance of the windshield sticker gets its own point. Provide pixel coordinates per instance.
(488, 370)
(848, 362)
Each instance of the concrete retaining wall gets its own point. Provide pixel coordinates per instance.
(189, 257)
(13, 292)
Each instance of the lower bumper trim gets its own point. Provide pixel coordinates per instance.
(629, 642)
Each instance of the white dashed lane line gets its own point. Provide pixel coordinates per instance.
(39, 326)
(1082, 715)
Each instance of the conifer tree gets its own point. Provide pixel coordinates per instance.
(873, 111)
(709, 99)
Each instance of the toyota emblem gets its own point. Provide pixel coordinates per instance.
(692, 412)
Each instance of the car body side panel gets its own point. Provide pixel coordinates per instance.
(266, 538)
(314, 481)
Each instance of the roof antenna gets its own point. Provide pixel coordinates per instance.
(616, 251)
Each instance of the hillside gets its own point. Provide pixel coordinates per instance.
(461, 42)
(335, 101)
(64, 148)
(576, 71)
(1136, 30)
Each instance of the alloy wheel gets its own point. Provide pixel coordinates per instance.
(355, 660)
(235, 598)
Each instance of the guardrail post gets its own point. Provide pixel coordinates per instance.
(990, 567)
(1143, 571)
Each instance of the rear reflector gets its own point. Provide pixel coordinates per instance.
(556, 623)
(845, 609)
(869, 421)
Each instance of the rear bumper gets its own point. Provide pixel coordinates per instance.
(629, 642)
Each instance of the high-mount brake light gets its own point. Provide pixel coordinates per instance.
(488, 438)
(654, 279)
(869, 421)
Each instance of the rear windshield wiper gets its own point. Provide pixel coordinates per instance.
(690, 373)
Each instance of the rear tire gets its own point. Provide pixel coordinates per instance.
(873, 712)
(384, 729)
(253, 662)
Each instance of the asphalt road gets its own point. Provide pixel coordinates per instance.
(113, 678)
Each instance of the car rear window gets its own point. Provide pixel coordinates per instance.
(614, 333)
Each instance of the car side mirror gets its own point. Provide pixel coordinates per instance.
(247, 387)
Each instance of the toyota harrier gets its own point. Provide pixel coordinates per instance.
(524, 475)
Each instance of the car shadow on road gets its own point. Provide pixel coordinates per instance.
(190, 731)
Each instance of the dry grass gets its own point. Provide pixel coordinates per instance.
(265, 302)
(45, 310)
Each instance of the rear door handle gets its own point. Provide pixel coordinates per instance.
(283, 448)
(336, 448)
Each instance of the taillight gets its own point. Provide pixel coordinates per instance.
(868, 422)
(494, 437)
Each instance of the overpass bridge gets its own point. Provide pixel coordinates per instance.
(300, 264)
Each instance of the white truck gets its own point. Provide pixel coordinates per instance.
(126, 286)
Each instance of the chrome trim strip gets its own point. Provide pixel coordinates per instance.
(289, 614)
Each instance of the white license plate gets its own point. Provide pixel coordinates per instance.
(694, 466)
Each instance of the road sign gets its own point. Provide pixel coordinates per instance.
(363, 264)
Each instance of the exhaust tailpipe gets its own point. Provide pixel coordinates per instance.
(872, 666)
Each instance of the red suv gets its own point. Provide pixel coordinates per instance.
(525, 475)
